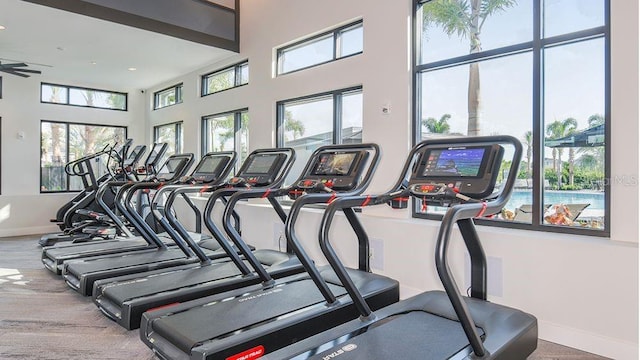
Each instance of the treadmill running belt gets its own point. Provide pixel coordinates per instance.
(190, 328)
(178, 279)
(438, 337)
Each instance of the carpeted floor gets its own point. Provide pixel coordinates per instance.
(41, 318)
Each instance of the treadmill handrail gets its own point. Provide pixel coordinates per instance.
(459, 213)
(115, 218)
(314, 198)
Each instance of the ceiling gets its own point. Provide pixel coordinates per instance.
(74, 49)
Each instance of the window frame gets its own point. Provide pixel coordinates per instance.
(337, 112)
(178, 135)
(237, 78)
(237, 127)
(177, 88)
(536, 47)
(66, 141)
(68, 89)
(335, 33)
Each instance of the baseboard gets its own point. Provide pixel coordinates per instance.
(589, 342)
(32, 230)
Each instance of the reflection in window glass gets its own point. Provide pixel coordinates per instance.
(69, 95)
(171, 134)
(352, 118)
(227, 132)
(505, 109)
(54, 94)
(351, 41)
(57, 149)
(306, 124)
(583, 14)
(446, 36)
(561, 181)
(224, 79)
(307, 54)
(53, 157)
(168, 97)
(326, 47)
(574, 168)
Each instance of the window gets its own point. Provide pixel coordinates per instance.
(307, 123)
(227, 132)
(167, 97)
(62, 142)
(336, 44)
(78, 96)
(227, 78)
(171, 134)
(534, 69)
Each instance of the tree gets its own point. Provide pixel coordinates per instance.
(465, 18)
(528, 140)
(437, 126)
(296, 127)
(556, 130)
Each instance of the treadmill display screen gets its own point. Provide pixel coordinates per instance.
(261, 164)
(171, 166)
(209, 165)
(465, 162)
(334, 164)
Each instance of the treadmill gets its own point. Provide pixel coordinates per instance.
(80, 274)
(251, 321)
(434, 324)
(77, 213)
(124, 299)
(54, 256)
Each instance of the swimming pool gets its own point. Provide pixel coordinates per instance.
(596, 199)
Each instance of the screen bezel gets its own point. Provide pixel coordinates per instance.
(223, 161)
(488, 154)
(357, 156)
(279, 159)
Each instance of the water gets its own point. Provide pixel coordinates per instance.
(596, 199)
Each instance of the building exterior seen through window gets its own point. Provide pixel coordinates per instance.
(533, 69)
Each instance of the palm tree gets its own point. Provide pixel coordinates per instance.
(528, 139)
(556, 130)
(437, 126)
(465, 18)
(296, 127)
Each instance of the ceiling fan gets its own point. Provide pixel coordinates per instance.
(17, 69)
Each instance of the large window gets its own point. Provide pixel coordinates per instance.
(227, 78)
(227, 132)
(78, 96)
(62, 142)
(307, 123)
(171, 134)
(329, 46)
(167, 97)
(534, 69)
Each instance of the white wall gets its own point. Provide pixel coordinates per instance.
(23, 210)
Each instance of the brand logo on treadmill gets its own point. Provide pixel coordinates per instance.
(344, 349)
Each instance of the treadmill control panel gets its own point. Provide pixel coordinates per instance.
(210, 168)
(331, 171)
(469, 170)
(260, 169)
